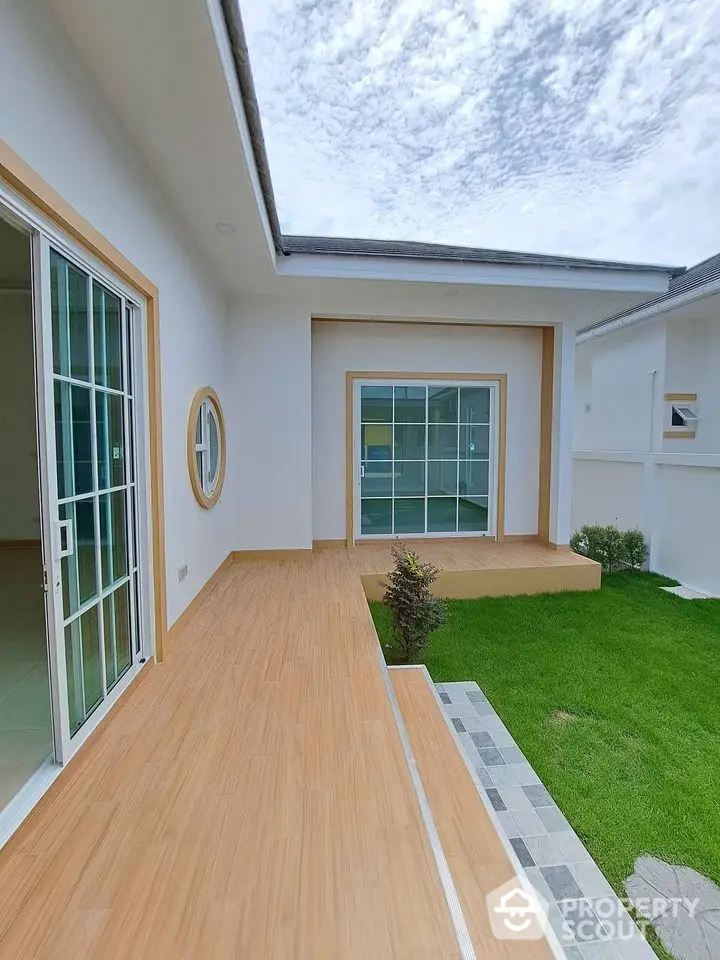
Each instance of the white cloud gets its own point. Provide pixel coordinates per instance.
(586, 127)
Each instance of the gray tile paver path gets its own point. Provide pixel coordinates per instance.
(551, 854)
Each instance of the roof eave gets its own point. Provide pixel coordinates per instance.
(415, 250)
(647, 311)
(241, 59)
(284, 244)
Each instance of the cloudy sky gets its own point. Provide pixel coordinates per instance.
(586, 127)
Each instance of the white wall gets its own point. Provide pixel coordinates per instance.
(609, 492)
(672, 498)
(689, 532)
(60, 125)
(582, 421)
(693, 362)
(615, 401)
(338, 347)
(268, 419)
(19, 510)
(670, 490)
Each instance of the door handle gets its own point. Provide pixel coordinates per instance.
(66, 527)
(362, 470)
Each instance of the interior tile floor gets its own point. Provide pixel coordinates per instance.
(25, 726)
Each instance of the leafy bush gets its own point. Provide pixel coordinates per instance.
(612, 548)
(635, 549)
(415, 611)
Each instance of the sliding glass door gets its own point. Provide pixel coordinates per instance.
(425, 458)
(89, 334)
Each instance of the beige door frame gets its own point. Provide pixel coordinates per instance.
(18, 175)
(352, 375)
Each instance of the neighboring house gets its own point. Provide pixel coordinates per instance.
(207, 386)
(647, 425)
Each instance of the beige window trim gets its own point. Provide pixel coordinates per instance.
(205, 500)
(678, 434)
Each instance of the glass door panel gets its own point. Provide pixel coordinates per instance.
(442, 478)
(376, 405)
(409, 478)
(118, 643)
(409, 515)
(95, 555)
(376, 517)
(109, 417)
(474, 405)
(70, 330)
(82, 656)
(410, 404)
(473, 514)
(113, 538)
(107, 337)
(474, 442)
(442, 404)
(79, 563)
(73, 440)
(425, 458)
(442, 441)
(442, 514)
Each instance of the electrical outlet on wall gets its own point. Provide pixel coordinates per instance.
(182, 572)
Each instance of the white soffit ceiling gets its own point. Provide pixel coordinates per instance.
(163, 76)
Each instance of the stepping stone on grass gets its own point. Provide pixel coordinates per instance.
(682, 905)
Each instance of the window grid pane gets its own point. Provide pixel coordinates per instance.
(475, 405)
(425, 454)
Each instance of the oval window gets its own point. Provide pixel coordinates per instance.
(206, 446)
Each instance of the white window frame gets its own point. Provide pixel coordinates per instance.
(687, 414)
(206, 412)
(494, 386)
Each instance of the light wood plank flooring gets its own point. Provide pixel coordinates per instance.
(468, 554)
(482, 567)
(248, 798)
(476, 857)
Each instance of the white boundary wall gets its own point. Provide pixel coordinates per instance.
(673, 498)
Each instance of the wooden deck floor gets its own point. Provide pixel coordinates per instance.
(482, 567)
(468, 554)
(248, 798)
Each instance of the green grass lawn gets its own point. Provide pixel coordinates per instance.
(614, 696)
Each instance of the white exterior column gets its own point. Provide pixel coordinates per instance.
(562, 435)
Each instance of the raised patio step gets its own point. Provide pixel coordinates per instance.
(475, 854)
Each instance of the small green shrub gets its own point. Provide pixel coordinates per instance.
(614, 551)
(415, 611)
(590, 542)
(635, 549)
(612, 548)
